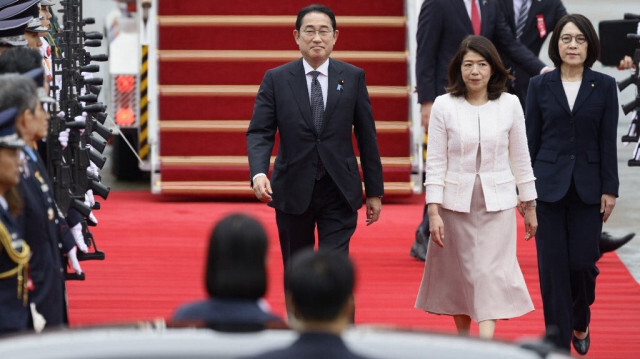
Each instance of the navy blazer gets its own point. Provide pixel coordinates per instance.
(576, 145)
(313, 346)
(549, 11)
(443, 24)
(222, 311)
(282, 105)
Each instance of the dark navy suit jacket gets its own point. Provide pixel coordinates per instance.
(313, 346)
(282, 105)
(549, 11)
(576, 145)
(443, 24)
(222, 311)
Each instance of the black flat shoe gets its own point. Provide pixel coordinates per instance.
(609, 243)
(581, 345)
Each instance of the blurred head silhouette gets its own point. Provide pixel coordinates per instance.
(236, 259)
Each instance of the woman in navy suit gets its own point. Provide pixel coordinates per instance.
(571, 119)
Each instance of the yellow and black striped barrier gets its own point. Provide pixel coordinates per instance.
(143, 144)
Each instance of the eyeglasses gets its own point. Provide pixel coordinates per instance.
(566, 38)
(312, 33)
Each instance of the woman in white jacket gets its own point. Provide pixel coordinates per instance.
(477, 156)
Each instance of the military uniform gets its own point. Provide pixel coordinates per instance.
(46, 231)
(14, 258)
(14, 253)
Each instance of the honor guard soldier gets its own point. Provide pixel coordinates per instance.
(12, 32)
(45, 230)
(14, 252)
(25, 8)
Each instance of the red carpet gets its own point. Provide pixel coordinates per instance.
(267, 7)
(155, 261)
(219, 37)
(234, 72)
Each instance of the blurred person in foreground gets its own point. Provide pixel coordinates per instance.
(477, 157)
(236, 280)
(572, 120)
(319, 295)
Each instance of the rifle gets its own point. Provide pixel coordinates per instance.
(79, 113)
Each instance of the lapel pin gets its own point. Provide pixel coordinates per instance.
(340, 83)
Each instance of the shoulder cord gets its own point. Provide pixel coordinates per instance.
(21, 258)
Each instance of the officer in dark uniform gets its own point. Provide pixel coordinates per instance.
(43, 226)
(12, 30)
(14, 252)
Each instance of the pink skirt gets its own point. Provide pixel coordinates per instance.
(477, 272)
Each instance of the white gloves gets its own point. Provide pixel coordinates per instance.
(63, 138)
(74, 260)
(76, 231)
(89, 200)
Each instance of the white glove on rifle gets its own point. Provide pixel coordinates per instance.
(89, 200)
(76, 231)
(63, 138)
(74, 260)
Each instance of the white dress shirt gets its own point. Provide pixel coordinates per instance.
(571, 91)
(467, 4)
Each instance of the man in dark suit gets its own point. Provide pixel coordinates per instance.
(320, 298)
(530, 21)
(442, 24)
(315, 176)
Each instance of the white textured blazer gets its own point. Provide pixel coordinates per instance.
(455, 130)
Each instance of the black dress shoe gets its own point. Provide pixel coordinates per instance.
(581, 345)
(609, 243)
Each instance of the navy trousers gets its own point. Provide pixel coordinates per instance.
(567, 244)
(331, 212)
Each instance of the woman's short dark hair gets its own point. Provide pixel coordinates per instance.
(586, 28)
(236, 259)
(316, 8)
(483, 46)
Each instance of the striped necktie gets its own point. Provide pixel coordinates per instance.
(317, 103)
(317, 112)
(522, 18)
